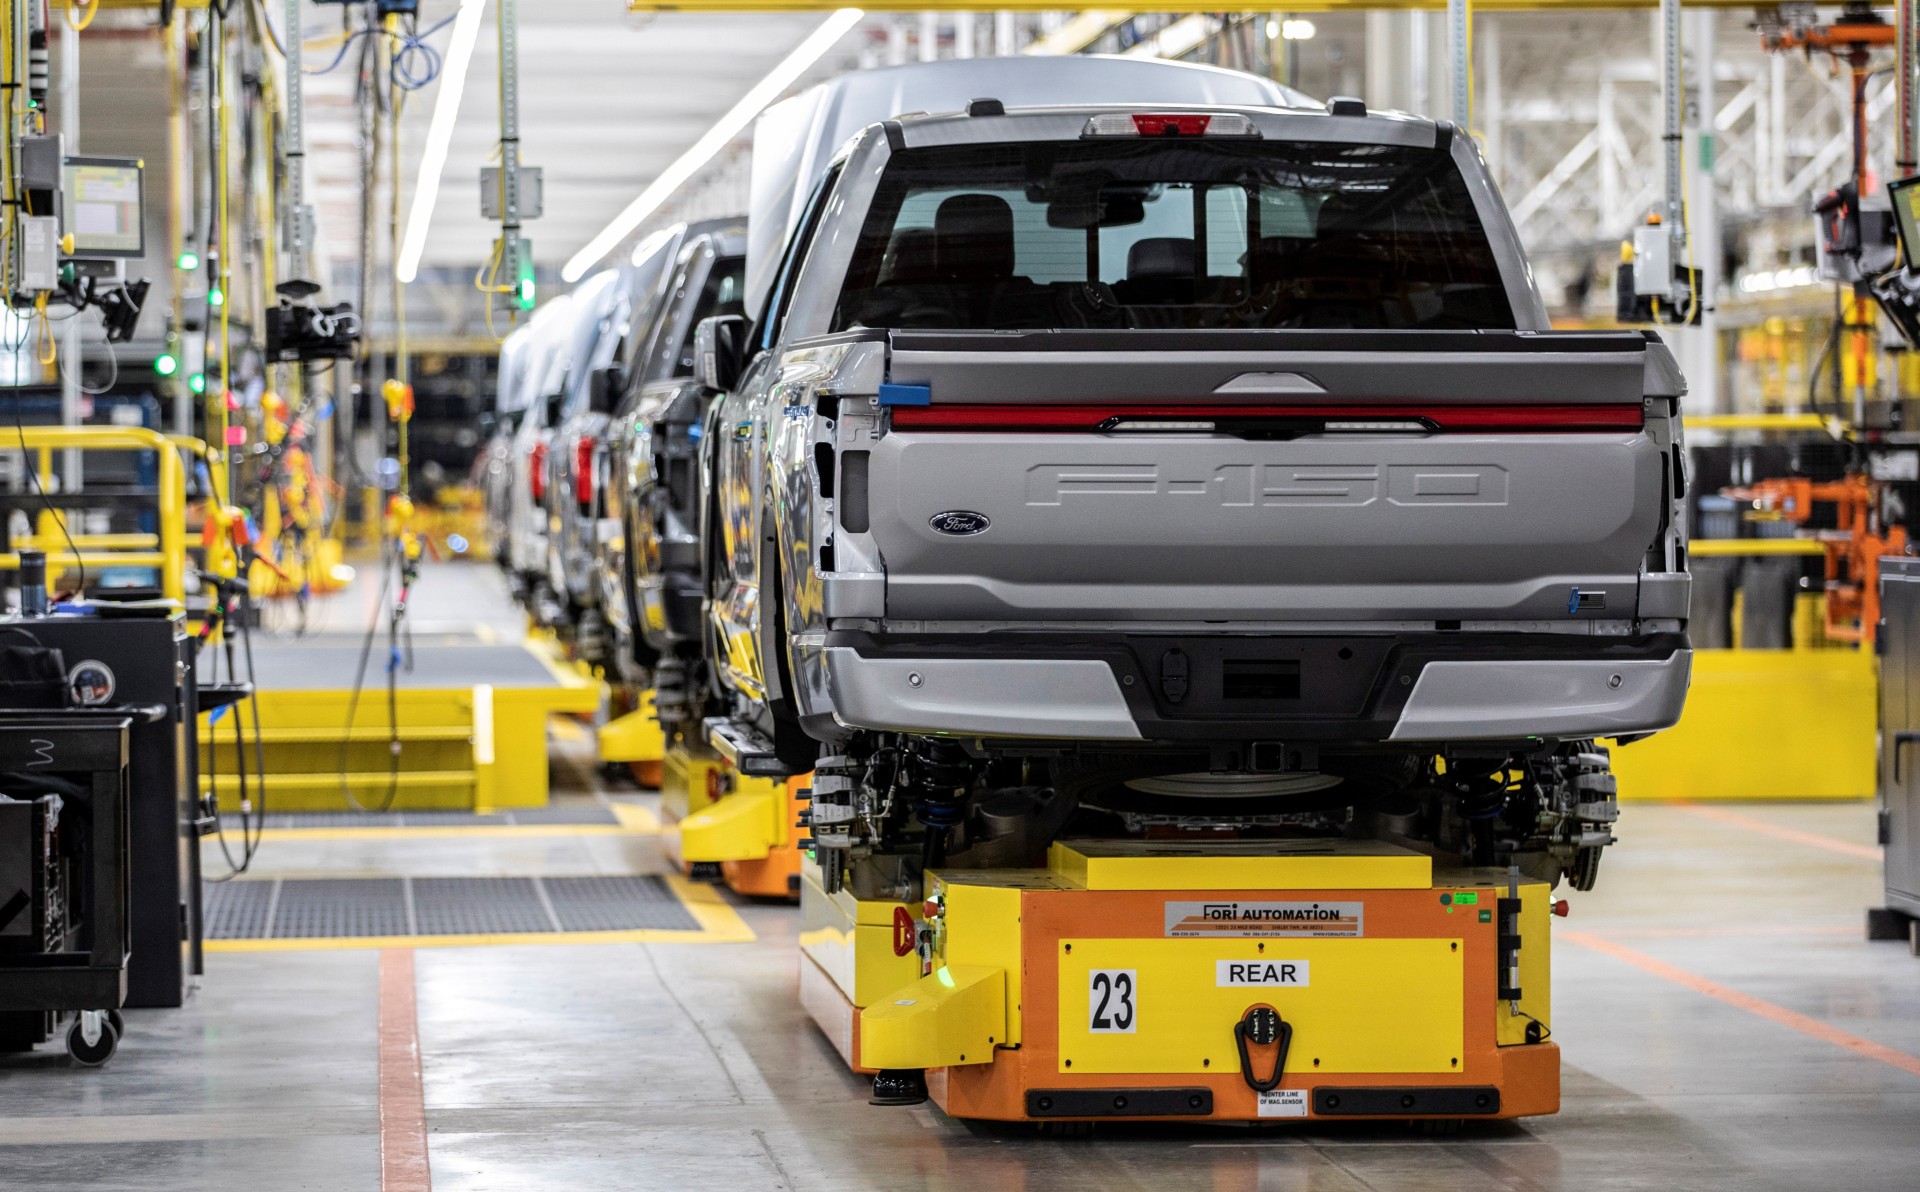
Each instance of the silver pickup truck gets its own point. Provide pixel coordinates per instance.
(1154, 467)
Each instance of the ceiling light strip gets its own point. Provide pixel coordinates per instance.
(446, 112)
(713, 140)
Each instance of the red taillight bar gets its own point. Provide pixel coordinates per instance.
(1087, 418)
(537, 472)
(583, 471)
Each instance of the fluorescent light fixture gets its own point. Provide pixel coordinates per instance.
(1779, 279)
(1081, 30)
(713, 140)
(446, 112)
(1182, 37)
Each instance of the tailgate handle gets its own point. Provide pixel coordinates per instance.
(1263, 1025)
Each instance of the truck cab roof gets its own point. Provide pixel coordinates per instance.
(795, 140)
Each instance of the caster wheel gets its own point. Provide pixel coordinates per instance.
(91, 1053)
(119, 1023)
(899, 1086)
(1436, 1127)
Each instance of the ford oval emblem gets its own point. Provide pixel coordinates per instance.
(959, 521)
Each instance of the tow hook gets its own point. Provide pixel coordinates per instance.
(1263, 1026)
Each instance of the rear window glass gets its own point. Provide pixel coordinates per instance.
(1185, 233)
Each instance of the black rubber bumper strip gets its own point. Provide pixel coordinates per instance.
(1446, 1101)
(1092, 1103)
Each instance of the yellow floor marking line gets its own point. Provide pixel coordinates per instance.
(719, 922)
(635, 818)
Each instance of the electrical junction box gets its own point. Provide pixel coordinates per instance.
(42, 158)
(1652, 260)
(37, 265)
(532, 193)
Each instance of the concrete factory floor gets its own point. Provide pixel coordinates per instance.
(1724, 1026)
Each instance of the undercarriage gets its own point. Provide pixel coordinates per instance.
(888, 807)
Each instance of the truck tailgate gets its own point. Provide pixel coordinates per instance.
(1039, 485)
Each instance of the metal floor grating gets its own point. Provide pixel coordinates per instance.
(584, 815)
(607, 903)
(359, 908)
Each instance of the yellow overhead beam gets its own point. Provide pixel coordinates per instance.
(1294, 6)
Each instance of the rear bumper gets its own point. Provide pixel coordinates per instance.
(1472, 701)
(1187, 688)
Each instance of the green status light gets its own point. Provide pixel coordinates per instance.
(197, 382)
(188, 260)
(523, 287)
(166, 364)
(216, 297)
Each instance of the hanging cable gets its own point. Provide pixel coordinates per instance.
(414, 62)
(79, 24)
(400, 547)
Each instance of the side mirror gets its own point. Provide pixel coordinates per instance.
(603, 388)
(719, 351)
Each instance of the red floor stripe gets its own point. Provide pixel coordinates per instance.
(1792, 1019)
(1832, 844)
(403, 1103)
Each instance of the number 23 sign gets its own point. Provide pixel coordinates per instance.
(1111, 1009)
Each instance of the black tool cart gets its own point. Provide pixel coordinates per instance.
(1899, 645)
(65, 889)
(99, 816)
(138, 659)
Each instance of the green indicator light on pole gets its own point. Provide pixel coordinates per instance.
(166, 364)
(188, 260)
(523, 288)
(197, 382)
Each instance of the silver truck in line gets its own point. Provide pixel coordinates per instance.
(647, 558)
(518, 472)
(1118, 468)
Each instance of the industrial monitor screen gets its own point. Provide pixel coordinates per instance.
(103, 207)
(1905, 195)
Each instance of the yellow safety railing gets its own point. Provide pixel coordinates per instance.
(199, 450)
(1712, 548)
(1789, 422)
(165, 551)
